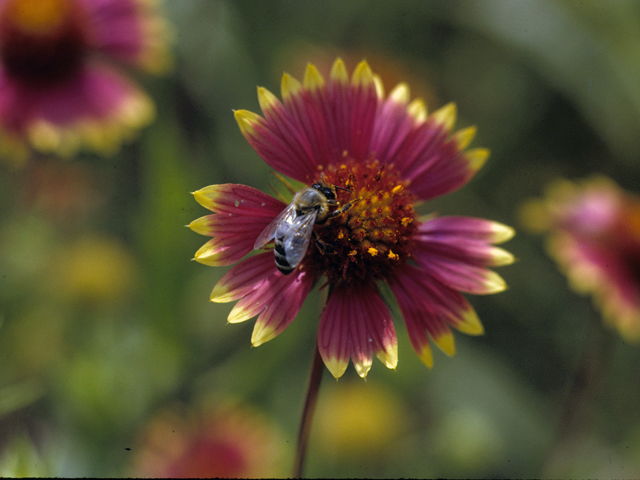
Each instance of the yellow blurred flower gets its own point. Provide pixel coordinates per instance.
(358, 419)
(95, 269)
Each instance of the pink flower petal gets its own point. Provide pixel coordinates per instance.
(279, 152)
(466, 228)
(243, 278)
(240, 200)
(355, 323)
(314, 128)
(127, 30)
(455, 252)
(429, 306)
(243, 213)
(281, 304)
(393, 127)
(597, 269)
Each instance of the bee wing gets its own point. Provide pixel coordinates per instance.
(286, 216)
(296, 239)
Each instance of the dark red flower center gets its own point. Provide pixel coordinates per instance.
(627, 238)
(373, 236)
(42, 41)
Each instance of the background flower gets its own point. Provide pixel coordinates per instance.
(594, 235)
(60, 89)
(218, 442)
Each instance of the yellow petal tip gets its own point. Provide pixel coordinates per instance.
(336, 367)
(446, 343)
(502, 232)
(266, 99)
(464, 137)
(400, 94)
(312, 80)
(470, 323)
(418, 110)
(339, 72)
(426, 356)
(246, 121)
(446, 116)
(289, 87)
(362, 75)
(477, 157)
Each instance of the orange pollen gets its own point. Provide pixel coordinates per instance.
(370, 237)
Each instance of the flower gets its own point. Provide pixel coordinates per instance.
(59, 87)
(384, 155)
(221, 442)
(360, 421)
(594, 235)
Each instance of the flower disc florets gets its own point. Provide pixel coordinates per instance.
(42, 42)
(372, 236)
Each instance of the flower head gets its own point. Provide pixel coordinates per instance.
(374, 158)
(224, 442)
(594, 235)
(59, 87)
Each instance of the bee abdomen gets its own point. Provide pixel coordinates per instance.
(281, 259)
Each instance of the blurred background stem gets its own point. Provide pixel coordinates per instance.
(587, 383)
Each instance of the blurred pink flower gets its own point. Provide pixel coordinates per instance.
(389, 155)
(60, 89)
(229, 442)
(594, 234)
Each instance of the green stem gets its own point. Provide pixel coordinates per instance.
(307, 413)
(587, 383)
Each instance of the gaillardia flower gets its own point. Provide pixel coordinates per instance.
(372, 158)
(60, 89)
(594, 236)
(228, 441)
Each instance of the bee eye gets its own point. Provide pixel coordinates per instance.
(327, 192)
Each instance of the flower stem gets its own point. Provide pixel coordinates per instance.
(307, 413)
(587, 382)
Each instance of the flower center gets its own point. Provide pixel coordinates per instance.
(628, 238)
(41, 41)
(374, 235)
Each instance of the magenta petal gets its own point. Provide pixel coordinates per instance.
(443, 171)
(456, 250)
(244, 278)
(392, 129)
(283, 153)
(95, 94)
(282, 302)
(306, 112)
(122, 29)
(358, 314)
(608, 276)
(464, 228)
(243, 213)
(334, 340)
(459, 275)
(426, 302)
(240, 200)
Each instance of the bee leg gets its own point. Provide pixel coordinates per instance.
(342, 209)
(323, 247)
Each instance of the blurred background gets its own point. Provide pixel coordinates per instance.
(112, 359)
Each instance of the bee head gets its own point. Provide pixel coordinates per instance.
(325, 190)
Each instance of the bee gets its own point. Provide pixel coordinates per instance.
(292, 228)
